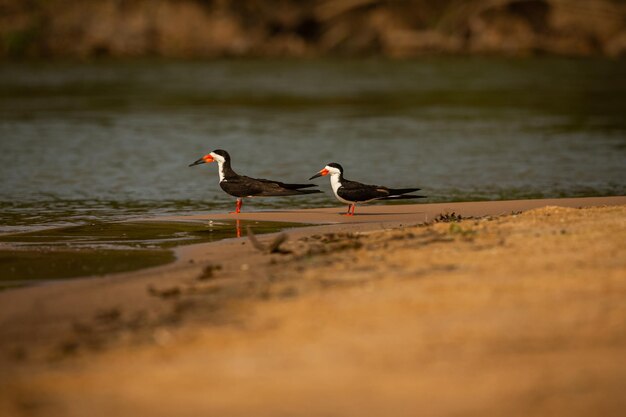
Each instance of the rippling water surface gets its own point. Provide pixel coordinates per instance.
(81, 142)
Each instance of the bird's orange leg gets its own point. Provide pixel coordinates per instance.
(237, 206)
(350, 213)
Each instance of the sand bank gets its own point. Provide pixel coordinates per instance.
(510, 315)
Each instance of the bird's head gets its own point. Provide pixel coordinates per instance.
(220, 156)
(332, 169)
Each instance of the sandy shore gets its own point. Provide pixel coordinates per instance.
(388, 312)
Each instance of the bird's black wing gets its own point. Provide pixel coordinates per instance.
(402, 193)
(286, 185)
(355, 191)
(243, 186)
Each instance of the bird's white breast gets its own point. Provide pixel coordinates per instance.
(335, 183)
(220, 171)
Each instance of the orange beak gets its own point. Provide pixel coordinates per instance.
(205, 159)
(320, 174)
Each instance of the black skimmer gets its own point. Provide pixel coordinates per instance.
(241, 186)
(352, 192)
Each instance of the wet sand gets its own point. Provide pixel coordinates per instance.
(388, 312)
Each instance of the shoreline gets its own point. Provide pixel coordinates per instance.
(323, 220)
(227, 293)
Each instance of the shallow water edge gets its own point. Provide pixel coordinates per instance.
(101, 248)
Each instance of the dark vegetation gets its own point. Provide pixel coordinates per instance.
(295, 28)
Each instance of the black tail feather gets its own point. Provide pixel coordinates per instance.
(398, 191)
(297, 186)
(283, 193)
(402, 197)
(308, 191)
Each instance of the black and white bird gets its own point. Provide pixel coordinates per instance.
(352, 192)
(241, 186)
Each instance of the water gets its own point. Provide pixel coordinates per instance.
(108, 247)
(102, 141)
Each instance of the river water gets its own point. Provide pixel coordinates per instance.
(104, 140)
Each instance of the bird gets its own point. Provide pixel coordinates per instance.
(352, 192)
(241, 186)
